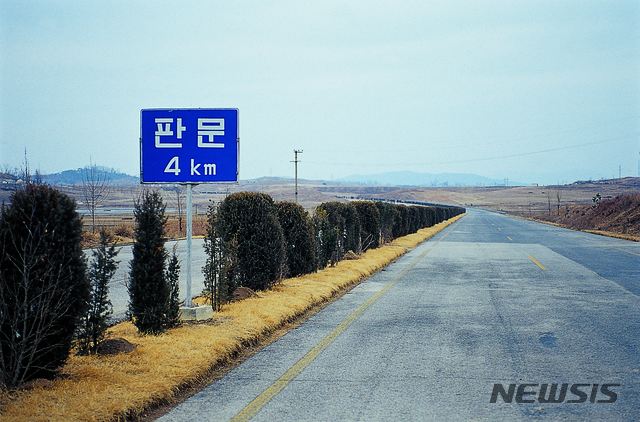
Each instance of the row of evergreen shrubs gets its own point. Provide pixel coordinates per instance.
(253, 241)
(50, 298)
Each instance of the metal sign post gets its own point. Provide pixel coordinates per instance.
(189, 146)
(189, 301)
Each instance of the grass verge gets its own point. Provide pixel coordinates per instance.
(107, 388)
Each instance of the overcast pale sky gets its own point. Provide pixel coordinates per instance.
(535, 91)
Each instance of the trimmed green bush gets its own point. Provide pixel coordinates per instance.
(299, 237)
(253, 242)
(249, 220)
(344, 219)
(353, 228)
(369, 224)
(401, 222)
(334, 238)
(388, 215)
(325, 237)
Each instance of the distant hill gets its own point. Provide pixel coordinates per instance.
(409, 178)
(74, 177)
(400, 178)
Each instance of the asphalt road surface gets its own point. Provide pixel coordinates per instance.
(118, 293)
(493, 306)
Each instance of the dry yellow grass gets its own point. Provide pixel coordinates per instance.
(616, 235)
(104, 388)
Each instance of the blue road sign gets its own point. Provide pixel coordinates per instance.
(189, 145)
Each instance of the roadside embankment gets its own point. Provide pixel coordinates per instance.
(117, 387)
(616, 217)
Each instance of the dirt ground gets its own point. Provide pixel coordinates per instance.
(619, 215)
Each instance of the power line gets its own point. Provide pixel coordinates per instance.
(524, 154)
(471, 160)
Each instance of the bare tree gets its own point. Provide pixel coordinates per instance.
(11, 171)
(11, 176)
(558, 197)
(179, 202)
(96, 188)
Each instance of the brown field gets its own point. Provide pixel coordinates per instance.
(520, 200)
(516, 199)
(526, 201)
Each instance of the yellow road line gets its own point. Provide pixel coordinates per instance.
(509, 238)
(629, 252)
(252, 408)
(537, 263)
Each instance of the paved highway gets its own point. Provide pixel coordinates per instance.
(479, 323)
(118, 293)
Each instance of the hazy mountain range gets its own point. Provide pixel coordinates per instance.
(409, 178)
(74, 177)
(399, 178)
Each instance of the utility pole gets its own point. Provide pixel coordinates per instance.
(296, 161)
